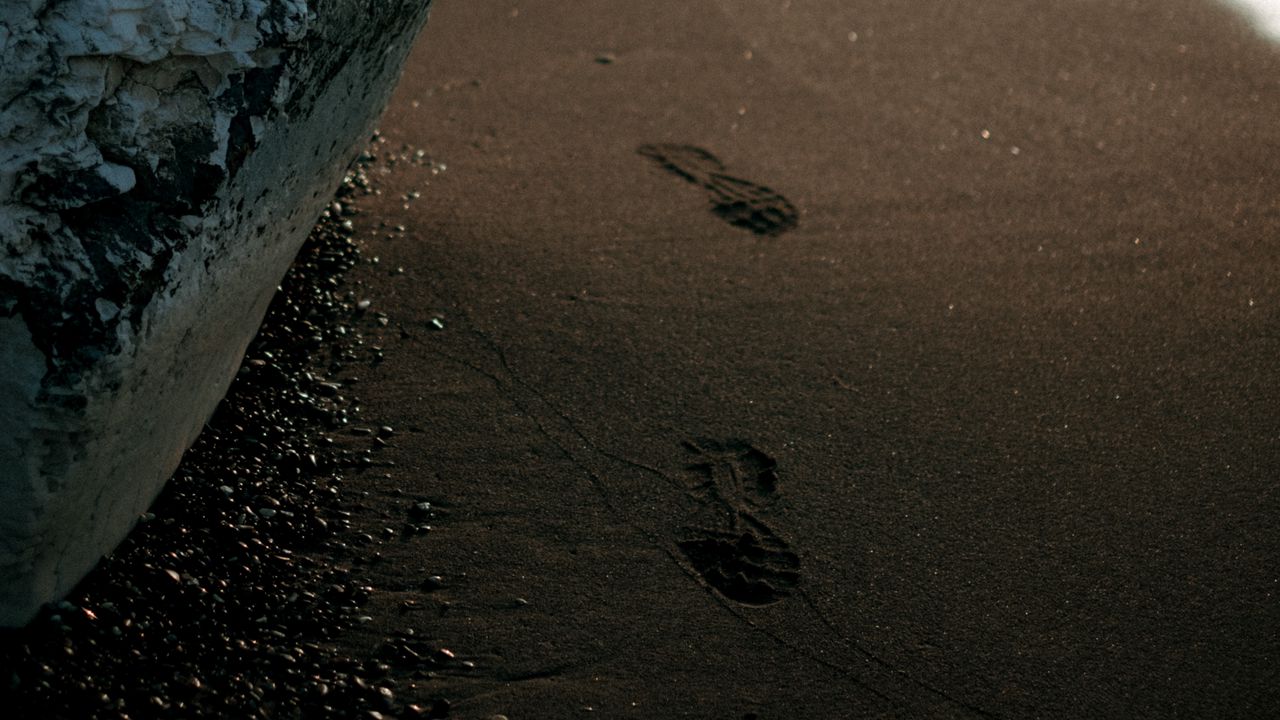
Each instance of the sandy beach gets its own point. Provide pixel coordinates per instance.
(821, 359)
(742, 360)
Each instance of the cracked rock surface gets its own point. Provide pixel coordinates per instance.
(161, 161)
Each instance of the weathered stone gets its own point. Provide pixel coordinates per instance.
(161, 161)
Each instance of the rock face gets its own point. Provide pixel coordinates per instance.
(161, 161)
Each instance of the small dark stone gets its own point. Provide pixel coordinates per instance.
(439, 709)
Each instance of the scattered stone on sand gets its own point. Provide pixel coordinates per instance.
(224, 601)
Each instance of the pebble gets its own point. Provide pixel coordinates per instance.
(439, 709)
(387, 696)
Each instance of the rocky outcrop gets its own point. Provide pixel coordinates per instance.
(161, 161)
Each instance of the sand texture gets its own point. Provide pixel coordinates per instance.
(829, 359)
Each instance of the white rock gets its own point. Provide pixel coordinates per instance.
(161, 161)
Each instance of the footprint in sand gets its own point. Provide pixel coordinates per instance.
(731, 483)
(739, 202)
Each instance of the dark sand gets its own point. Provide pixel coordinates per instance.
(1016, 363)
